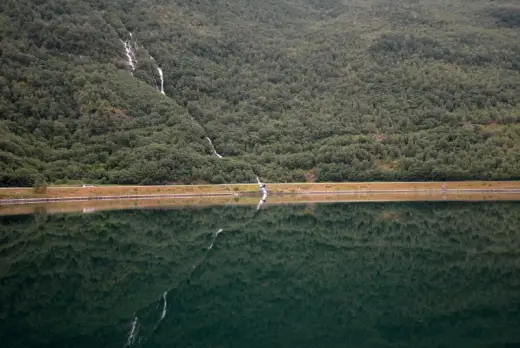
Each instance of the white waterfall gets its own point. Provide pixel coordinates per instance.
(133, 333)
(162, 79)
(161, 76)
(263, 188)
(130, 53)
(213, 148)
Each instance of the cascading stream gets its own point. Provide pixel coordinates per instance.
(159, 70)
(130, 54)
(161, 77)
(132, 62)
(213, 148)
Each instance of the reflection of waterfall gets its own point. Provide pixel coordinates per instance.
(130, 54)
(213, 148)
(164, 307)
(214, 238)
(133, 332)
(163, 314)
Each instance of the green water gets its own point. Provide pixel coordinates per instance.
(335, 275)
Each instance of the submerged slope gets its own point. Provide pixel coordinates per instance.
(332, 90)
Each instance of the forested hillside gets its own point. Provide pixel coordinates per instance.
(291, 90)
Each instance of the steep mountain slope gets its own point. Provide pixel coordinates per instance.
(287, 89)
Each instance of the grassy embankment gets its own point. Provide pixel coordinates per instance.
(78, 192)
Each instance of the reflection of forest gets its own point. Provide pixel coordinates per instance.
(421, 274)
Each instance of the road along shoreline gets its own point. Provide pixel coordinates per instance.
(111, 192)
(186, 202)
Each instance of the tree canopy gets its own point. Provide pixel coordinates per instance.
(291, 90)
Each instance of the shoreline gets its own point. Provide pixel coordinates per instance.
(435, 192)
(310, 199)
(21, 195)
(58, 199)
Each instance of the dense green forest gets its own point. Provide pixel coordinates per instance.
(377, 274)
(291, 90)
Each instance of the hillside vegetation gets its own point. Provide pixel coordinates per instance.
(291, 90)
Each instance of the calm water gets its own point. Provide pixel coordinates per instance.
(336, 275)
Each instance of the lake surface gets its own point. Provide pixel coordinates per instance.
(330, 275)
